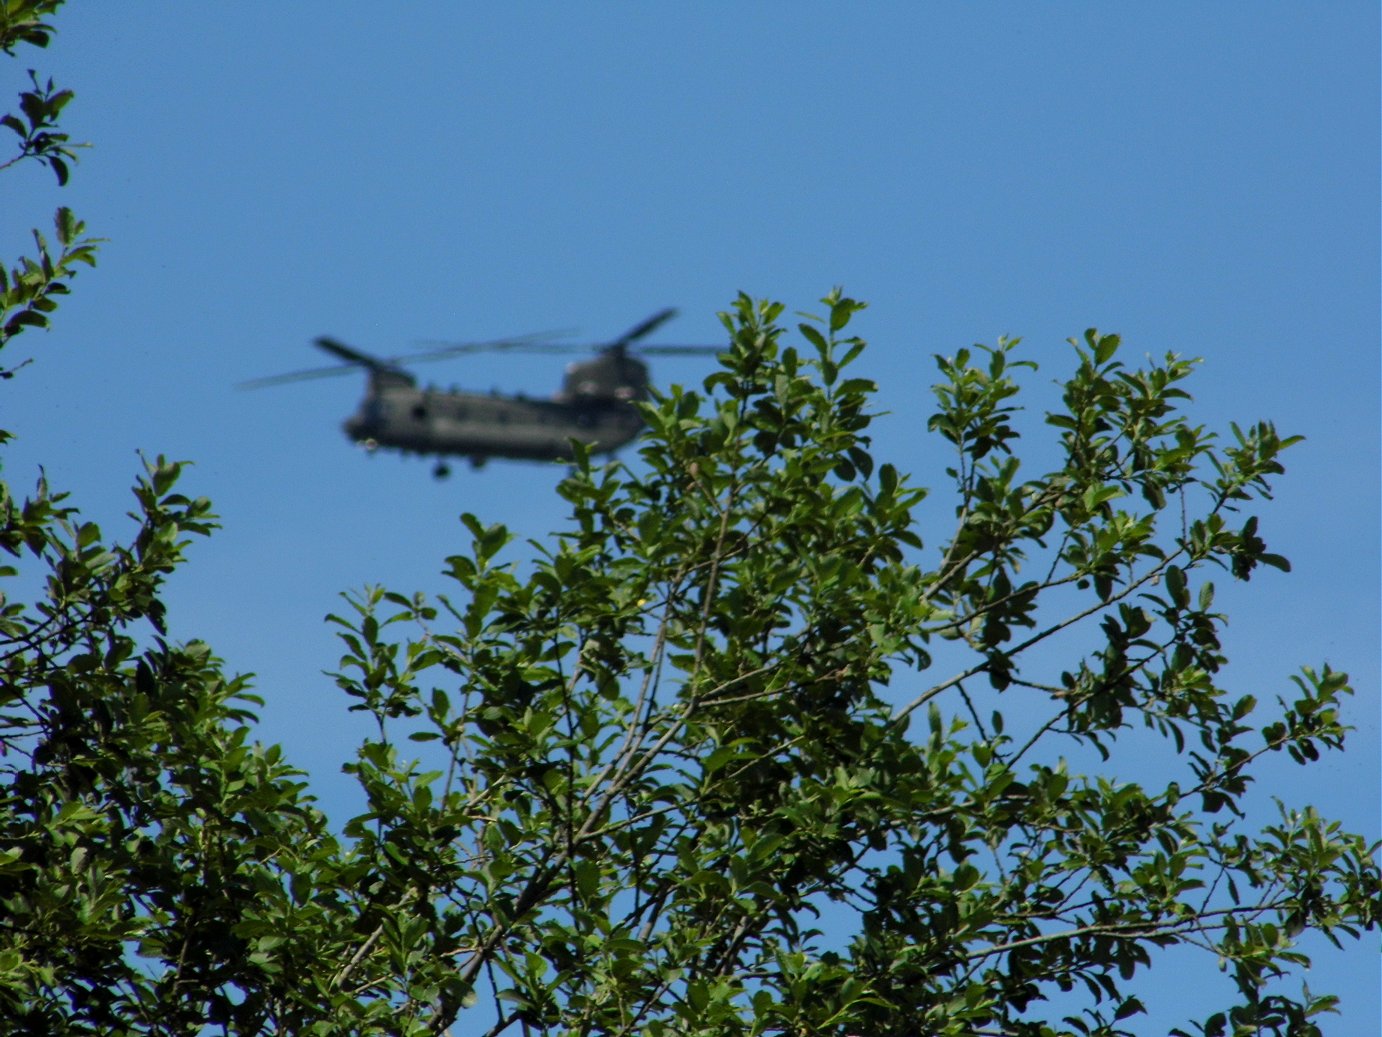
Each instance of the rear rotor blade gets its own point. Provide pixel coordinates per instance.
(625, 343)
(670, 350)
(535, 342)
(639, 330)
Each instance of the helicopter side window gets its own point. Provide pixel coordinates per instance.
(419, 411)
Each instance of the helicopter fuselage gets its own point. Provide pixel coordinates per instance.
(399, 415)
(596, 406)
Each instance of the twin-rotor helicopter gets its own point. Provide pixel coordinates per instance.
(595, 406)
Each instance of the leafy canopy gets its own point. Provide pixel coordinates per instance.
(679, 786)
(688, 770)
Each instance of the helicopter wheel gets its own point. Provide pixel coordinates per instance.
(441, 471)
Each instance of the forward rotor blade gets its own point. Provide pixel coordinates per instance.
(356, 359)
(347, 353)
(536, 342)
(298, 376)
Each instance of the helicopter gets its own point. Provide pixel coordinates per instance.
(594, 407)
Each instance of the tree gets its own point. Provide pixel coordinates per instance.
(684, 772)
(136, 817)
(674, 794)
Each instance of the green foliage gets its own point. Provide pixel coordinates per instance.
(670, 786)
(21, 21)
(157, 867)
(37, 129)
(29, 290)
(132, 805)
(685, 772)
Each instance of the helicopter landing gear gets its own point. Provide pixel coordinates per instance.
(441, 471)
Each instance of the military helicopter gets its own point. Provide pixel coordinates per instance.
(594, 406)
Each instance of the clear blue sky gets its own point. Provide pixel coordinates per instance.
(1201, 178)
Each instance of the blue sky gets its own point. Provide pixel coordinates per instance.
(1198, 178)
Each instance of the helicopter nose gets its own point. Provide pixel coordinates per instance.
(356, 427)
(362, 430)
